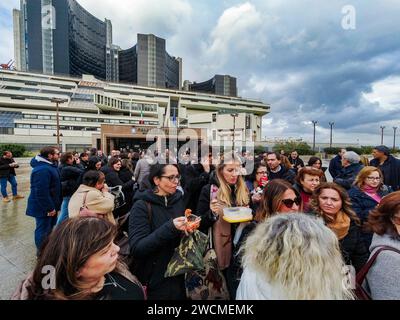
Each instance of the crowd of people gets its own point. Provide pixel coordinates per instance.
(305, 231)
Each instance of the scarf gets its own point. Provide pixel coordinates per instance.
(373, 193)
(341, 225)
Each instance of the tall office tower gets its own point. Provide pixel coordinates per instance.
(156, 68)
(61, 37)
(223, 85)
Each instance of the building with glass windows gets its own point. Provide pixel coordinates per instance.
(61, 37)
(27, 115)
(223, 85)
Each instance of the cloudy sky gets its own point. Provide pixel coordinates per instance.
(310, 60)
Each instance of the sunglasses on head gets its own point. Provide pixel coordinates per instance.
(290, 202)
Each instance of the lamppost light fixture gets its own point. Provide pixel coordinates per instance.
(57, 101)
(314, 123)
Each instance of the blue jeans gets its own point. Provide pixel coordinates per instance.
(13, 182)
(44, 226)
(64, 210)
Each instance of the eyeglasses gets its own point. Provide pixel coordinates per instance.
(262, 172)
(290, 202)
(374, 178)
(173, 178)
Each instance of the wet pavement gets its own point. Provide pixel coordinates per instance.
(17, 248)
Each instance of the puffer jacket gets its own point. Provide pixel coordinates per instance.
(152, 241)
(96, 201)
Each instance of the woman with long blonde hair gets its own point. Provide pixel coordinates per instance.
(292, 257)
(226, 188)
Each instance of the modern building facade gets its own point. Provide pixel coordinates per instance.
(27, 115)
(223, 85)
(149, 64)
(61, 37)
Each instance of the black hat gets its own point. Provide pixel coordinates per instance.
(385, 150)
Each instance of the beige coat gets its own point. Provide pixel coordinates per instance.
(96, 201)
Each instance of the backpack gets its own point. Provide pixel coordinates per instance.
(360, 292)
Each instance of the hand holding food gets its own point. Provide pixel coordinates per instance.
(192, 221)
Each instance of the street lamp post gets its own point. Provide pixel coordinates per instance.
(314, 123)
(382, 129)
(234, 115)
(394, 139)
(330, 141)
(57, 101)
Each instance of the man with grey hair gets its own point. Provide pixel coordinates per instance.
(351, 167)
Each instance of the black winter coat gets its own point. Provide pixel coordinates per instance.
(113, 179)
(296, 162)
(348, 175)
(125, 175)
(391, 171)
(203, 206)
(353, 248)
(285, 174)
(153, 239)
(5, 169)
(362, 205)
(335, 166)
(71, 177)
(196, 178)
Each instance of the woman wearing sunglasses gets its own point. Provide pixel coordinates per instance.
(156, 225)
(278, 197)
(331, 203)
(366, 194)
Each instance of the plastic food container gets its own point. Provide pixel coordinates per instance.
(237, 214)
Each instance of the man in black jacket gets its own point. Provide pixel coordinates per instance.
(276, 171)
(389, 165)
(295, 161)
(335, 166)
(7, 174)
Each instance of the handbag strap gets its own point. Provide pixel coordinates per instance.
(85, 193)
(210, 238)
(360, 277)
